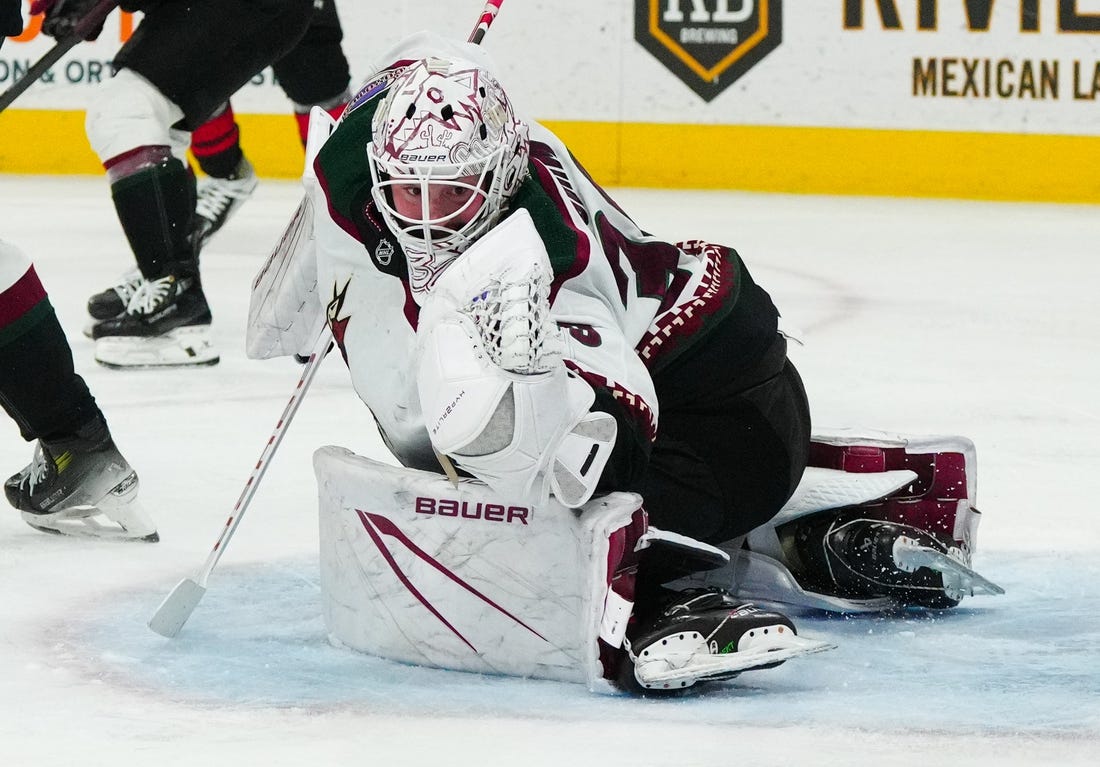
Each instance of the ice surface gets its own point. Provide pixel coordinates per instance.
(917, 316)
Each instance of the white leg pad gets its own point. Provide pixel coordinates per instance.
(417, 570)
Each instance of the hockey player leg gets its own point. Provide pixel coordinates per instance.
(229, 177)
(167, 319)
(77, 473)
(81, 486)
(879, 521)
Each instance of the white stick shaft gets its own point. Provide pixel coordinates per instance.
(315, 357)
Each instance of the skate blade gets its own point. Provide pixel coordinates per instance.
(117, 516)
(685, 669)
(182, 347)
(958, 579)
(90, 522)
(177, 608)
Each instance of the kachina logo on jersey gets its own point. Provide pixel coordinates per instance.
(708, 44)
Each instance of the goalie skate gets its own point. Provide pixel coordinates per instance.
(188, 346)
(710, 637)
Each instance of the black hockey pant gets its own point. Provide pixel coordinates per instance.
(199, 53)
(730, 450)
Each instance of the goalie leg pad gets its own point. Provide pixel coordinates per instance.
(416, 570)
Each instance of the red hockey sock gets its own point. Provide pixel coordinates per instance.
(216, 144)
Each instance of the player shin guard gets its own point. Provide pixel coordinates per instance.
(154, 198)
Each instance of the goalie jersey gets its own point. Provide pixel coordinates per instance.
(629, 304)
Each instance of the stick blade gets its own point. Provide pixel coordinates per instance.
(177, 608)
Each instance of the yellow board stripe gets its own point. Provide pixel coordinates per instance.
(910, 163)
(849, 161)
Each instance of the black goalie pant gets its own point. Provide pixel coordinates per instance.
(201, 52)
(730, 450)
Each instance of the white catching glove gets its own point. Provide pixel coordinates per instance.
(493, 387)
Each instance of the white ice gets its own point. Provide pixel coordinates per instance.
(917, 316)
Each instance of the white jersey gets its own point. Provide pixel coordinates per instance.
(629, 302)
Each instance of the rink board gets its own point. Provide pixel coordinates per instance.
(983, 99)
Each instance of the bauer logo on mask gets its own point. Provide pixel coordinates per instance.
(708, 44)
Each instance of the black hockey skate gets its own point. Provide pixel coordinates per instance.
(706, 635)
(867, 557)
(73, 482)
(219, 198)
(113, 301)
(166, 324)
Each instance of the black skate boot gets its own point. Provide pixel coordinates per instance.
(166, 324)
(113, 301)
(706, 635)
(864, 558)
(846, 555)
(219, 198)
(74, 480)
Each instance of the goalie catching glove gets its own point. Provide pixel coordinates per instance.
(493, 386)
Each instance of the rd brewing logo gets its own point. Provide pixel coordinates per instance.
(708, 44)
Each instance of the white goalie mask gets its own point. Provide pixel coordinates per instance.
(447, 154)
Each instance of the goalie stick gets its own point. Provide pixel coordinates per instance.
(177, 607)
(94, 18)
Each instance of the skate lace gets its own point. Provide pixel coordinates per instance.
(34, 474)
(127, 284)
(149, 295)
(217, 195)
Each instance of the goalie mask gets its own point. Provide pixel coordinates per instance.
(447, 154)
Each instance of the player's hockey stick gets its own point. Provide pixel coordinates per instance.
(488, 13)
(182, 600)
(94, 18)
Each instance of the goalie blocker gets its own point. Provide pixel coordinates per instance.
(418, 570)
